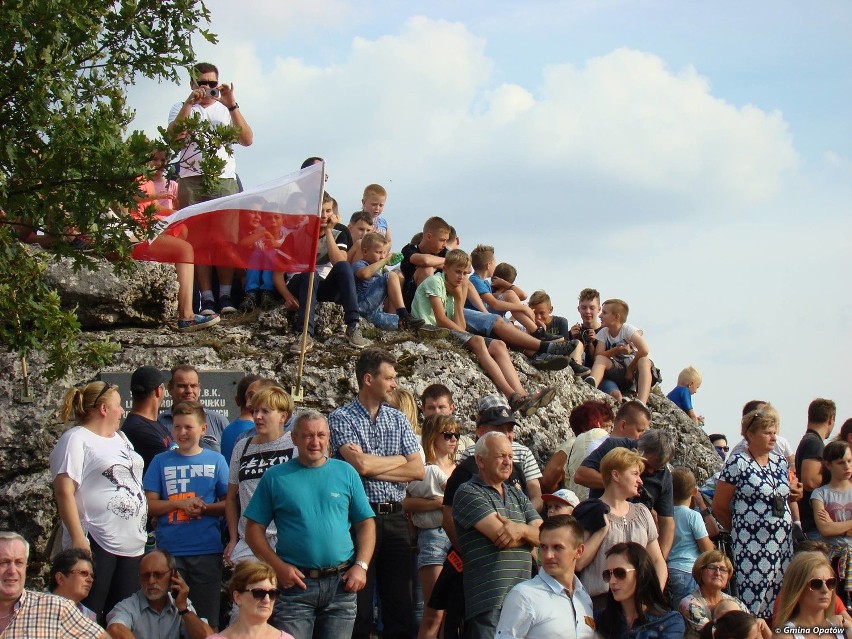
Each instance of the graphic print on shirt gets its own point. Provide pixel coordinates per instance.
(254, 465)
(129, 499)
(178, 480)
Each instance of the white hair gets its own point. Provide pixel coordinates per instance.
(481, 449)
(12, 536)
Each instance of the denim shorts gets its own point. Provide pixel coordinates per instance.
(432, 547)
(480, 323)
(372, 293)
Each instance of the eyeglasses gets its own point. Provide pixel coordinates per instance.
(156, 574)
(724, 449)
(818, 584)
(450, 436)
(619, 573)
(107, 387)
(207, 83)
(260, 593)
(720, 569)
(85, 574)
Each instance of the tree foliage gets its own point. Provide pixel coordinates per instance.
(66, 157)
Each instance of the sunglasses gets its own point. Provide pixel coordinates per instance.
(818, 584)
(260, 593)
(207, 83)
(450, 436)
(619, 573)
(724, 449)
(107, 387)
(156, 574)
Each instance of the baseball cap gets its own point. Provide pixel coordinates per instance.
(494, 411)
(562, 495)
(145, 379)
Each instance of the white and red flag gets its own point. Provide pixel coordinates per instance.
(272, 227)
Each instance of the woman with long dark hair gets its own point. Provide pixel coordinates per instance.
(635, 606)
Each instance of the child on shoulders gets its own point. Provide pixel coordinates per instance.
(688, 383)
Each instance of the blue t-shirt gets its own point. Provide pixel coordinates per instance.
(175, 476)
(689, 526)
(313, 508)
(362, 285)
(231, 435)
(482, 286)
(682, 398)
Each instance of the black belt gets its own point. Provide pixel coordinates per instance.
(386, 507)
(316, 573)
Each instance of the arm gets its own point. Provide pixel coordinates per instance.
(503, 306)
(592, 545)
(216, 509)
(504, 533)
(63, 489)
(503, 285)
(287, 574)
(421, 504)
(642, 350)
(825, 524)
(412, 470)
(371, 269)
(365, 542)
(441, 316)
(369, 465)
(192, 623)
(588, 477)
(722, 499)
(449, 526)
(665, 526)
(534, 494)
(335, 253)
(246, 137)
(232, 516)
(186, 108)
(472, 296)
(119, 631)
(425, 259)
(704, 544)
(192, 506)
(554, 472)
(659, 562)
(811, 474)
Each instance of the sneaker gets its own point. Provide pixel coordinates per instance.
(590, 381)
(544, 336)
(548, 362)
(267, 300)
(208, 307)
(225, 305)
(296, 347)
(529, 404)
(197, 323)
(250, 302)
(409, 323)
(579, 369)
(562, 348)
(355, 337)
(432, 332)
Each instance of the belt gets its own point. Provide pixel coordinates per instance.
(316, 573)
(386, 507)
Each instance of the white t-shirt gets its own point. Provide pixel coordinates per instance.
(110, 500)
(190, 157)
(430, 486)
(624, 335)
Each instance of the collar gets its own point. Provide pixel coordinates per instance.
(557, 587)
(144, 603)
(477, 479)
(357, 402)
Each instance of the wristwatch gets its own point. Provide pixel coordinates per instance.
(706, 512)
(363, 564)
(181, 613)
(235, 107)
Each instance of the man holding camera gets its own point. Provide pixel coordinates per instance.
(216, 104)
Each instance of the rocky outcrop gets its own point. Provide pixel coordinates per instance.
(259, 343)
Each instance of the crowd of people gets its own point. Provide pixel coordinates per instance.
(384, 517)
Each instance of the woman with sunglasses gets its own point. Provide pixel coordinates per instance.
(439, 438)
(806, 599)
(635, 606)
(751, 500)
(712, 571)
(97, 484)
(71, 576)
(254, 590)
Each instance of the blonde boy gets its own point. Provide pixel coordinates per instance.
(373, 286)
(621, 354)
(373, 202)
(439, 301)
(185, 489)
(688, 383)
(551, 324)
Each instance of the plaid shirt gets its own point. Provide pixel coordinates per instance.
(38, 615)
(389, 435)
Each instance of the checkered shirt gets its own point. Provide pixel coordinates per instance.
(38, 615)
(389, 435)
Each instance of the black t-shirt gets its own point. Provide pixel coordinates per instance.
(656, 492)
(148, 437)
(467, 468)
(409, 288)
(811, 447)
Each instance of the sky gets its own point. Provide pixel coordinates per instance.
(693, 159)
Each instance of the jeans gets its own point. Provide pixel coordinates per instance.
(323, 611)
(390, 570)
(483, 625)
(681, 584)
(371, 298)
(338, 287)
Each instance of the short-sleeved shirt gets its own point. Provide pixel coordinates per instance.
(407, 269)
(313, 508)
(520, 453)
(216, 425)
(482, 287)
(135, 614)
(559, 326)
(190, 156)
(175, 476)
(489, 572)
(811, 447)
(624, 335)
(110, 499)
(429, 487)
(390, 434)
(689, 527)
(148, 437)
(432, 286)
(467, 468)
(681, 397)
(362, 285)
(657, 488)
(576, 451)
(232, 434)
(38, 615)
(838, 505)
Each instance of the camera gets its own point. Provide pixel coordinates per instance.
(213, 93)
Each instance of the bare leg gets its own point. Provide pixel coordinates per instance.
(432, 618)
(525, 317)
(643, 384)
(601, 365)
(179, 252)
(577, 354)
(515, 338)
(476, 345)
(290, 302)
(422, 272)
(395, 293)
(500, 354)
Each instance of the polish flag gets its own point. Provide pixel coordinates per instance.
(273, 227)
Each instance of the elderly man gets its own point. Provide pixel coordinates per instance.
(25, 614)
(315, 503)
(657, 448)
(184, 386)
(497, 527)
(152, 612)
(553, 603)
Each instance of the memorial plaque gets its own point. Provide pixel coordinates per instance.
(218, 389)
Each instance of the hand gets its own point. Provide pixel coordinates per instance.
(196, 96)
(622, 349)
(355, 448)
(499, 282)
(290, 576)
(83, 544)
(590, 333)
(177, 583)
(575, 331)
(193, 506)
(355, 578)
(628, 375)
(226, 95)
(226, 554)
(823, 516)
(511, 535)
(796, 491)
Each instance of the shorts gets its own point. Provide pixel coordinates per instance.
(432, 547)
(463, 337)
(372, 294)
(480, 323)
(617, 373)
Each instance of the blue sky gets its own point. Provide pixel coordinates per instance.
(692, 158)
